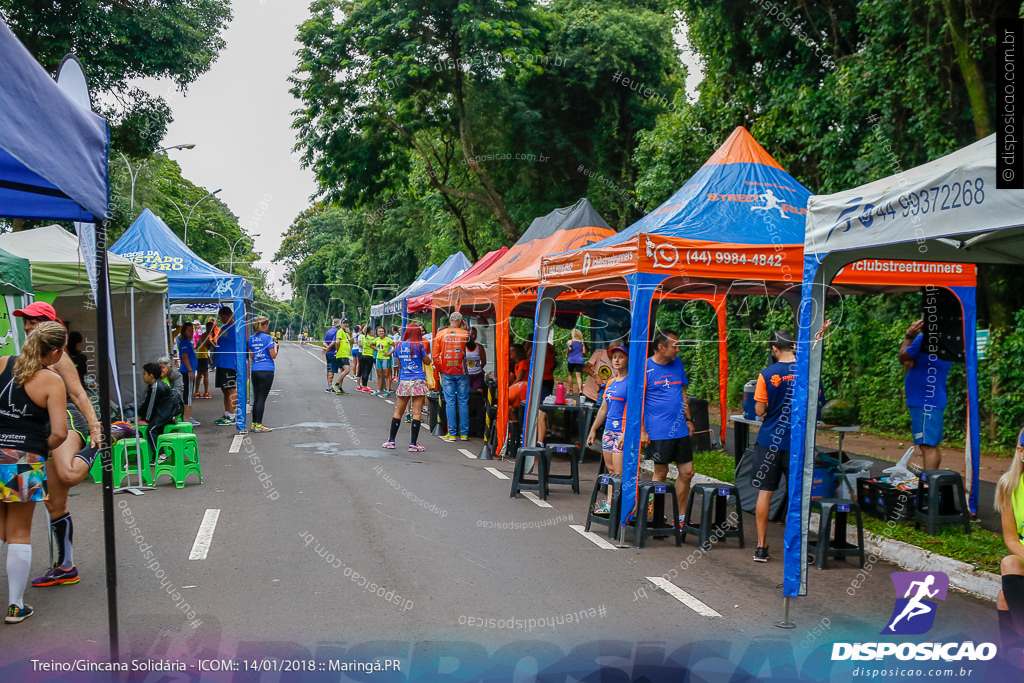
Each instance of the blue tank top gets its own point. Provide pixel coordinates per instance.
(575, 353)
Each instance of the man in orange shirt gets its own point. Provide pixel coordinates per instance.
(449, 356)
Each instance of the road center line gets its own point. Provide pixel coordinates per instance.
(467, 453)
(683, 597)
(592, 537)
(497, 473)
(536, 501)
(236, 443)
(204, 537)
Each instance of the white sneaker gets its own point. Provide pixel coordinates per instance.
(194, 421)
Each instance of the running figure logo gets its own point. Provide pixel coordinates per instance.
(771, 202)
(914, 613)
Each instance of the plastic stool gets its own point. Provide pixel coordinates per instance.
(182, 451)
(519, 480)
(941, 501)
(829, 545)
(124, 461)
(714, 514)
(179, 428)
(659, 490)
(573, 478)
(612, 520)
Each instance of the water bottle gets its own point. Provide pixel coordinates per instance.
(748, 400)
(560, 394)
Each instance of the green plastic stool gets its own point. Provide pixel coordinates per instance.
(179, 428)
(125, 461)
(182, 452)
(96, 471)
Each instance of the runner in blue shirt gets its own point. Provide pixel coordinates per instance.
(925, 388)
(226, 361)
(612, 415)
(330, 350)
(666, 417)
(189, 363)
(262, 352)
(412, 352)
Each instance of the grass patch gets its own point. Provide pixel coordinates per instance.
(716, 464)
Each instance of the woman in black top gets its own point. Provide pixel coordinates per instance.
(32, 423)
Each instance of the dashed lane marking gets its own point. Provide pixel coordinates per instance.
(683, 597)
(536, 501)
(466, 453)
(592, 537)
(204, 537)
(236, 443)
(497, 473)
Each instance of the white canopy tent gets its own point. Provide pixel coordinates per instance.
(948, 210)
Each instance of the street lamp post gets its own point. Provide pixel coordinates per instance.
(186, 220)
(135, 174)
(231, 262)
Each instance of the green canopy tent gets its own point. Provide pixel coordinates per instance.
(16, 290)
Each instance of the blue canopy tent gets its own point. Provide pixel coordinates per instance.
(453, 266)
(149, 242)
(54, 166)
(395, 306)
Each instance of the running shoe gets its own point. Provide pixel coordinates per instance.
(761, 554)
(329, 390)
(416, 448)
(408, 417)
(194, 421)
(16, 615)
(339, 391)
(603, 509)
(387, 394)
(388, 444)
(56, 576)
(448, 438)
(207, 395)
(224, 421)
(464, 437)
(257, 427)
(121, 430)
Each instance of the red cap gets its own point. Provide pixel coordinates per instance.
(39, 309)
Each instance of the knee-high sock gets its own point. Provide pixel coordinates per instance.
(415, 431)
(1007, 633)
(64, 534)
(19, 561)
(395, 424)
(1013, 591)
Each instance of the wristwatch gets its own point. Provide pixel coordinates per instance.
(909, 337)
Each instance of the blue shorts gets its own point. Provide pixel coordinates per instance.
(926, 425)
(332, 364)
(384, 363)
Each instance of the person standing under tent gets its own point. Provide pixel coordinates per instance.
(383, 345)
(925, 388)
(343, 354)
(331, 353)
(476, 361)
(225, 359)
(612, 415)
(450, 361)
(203, 346)
(666, 425)
(262, 352)
(76, 355)
(32, 423)
(412, 353)
(574, 361)
(70, 462)
(189, 364)
(773, 395)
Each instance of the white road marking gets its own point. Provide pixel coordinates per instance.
(536, 501)
(467, 453)
(317, 357)
(205, 535)
(592, 537)
(236, 443)
(497, 473)
(683, 597)
(388, 400)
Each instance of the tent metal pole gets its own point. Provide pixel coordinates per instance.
(135, 490)
(103, 367)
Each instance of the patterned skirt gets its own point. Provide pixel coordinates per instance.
(412, 387)
(22, 476)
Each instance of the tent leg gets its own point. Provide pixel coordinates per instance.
(785, 623)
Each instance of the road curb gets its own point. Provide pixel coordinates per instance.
(961, 575)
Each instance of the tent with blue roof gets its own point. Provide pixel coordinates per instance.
(190, 279)
(735, 228)
(392, 306)
(453, 267)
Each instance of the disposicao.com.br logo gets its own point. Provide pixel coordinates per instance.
(914, 614)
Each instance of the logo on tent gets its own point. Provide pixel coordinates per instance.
(586, 263)
(223, 287)
(771, 202)
(667, 254)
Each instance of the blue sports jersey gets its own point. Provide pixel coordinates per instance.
(664, 412)
(186, 349)
(329, 338)
(225, 356)
(410, 358)
(925, 383)
(615, 394)
(260, 345)
(775, 387)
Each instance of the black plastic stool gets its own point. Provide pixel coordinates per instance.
(434, 402)
(941, 501)
(612, 520)
(487, 451)
(714, 513)
(519, 480)
(835, 545)
(658, 529)
(571, 479)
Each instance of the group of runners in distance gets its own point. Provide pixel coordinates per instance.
(358, 352)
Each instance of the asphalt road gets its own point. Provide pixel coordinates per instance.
(328, 548)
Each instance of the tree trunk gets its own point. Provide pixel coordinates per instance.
(463, 228)
(969, 68)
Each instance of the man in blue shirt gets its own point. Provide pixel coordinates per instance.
(925, 388)
(225, 359)
(666, 416)
(773, 394)
(331, 350)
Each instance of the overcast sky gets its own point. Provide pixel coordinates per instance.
(239, 117)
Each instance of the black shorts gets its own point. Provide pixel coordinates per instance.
(343, 362)
(202, 364)
(665, 451)
(77, 422)
(769, 465)
(575, 367)
(187, 388)
(226, 378)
